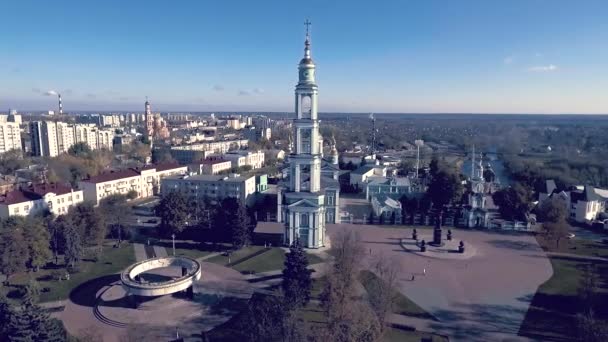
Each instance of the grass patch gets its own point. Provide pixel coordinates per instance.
(270, 260)
(111, 261)
(551, 315)
(403, 305)
(574, 246)
(235, 256)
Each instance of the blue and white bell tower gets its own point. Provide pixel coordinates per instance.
(302, 206)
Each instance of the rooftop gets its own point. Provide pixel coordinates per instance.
(33, 193)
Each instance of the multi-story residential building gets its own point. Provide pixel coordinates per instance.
(10, 137)
(212, 187)
(210, 166)
(86, 134)
(43, 137)
(187, 154)
(65, 136)
(56, 198)
(257, 134)
(142, 182)
(246, 158)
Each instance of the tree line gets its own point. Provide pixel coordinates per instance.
(29, 243)
(228, 220)
(347, 315)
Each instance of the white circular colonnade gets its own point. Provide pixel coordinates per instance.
(191, 272)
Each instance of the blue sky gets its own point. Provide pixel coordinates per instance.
(515, 56)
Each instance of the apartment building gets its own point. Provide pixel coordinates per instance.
(50, 139)
(10, 137)
(56, 198)
(212, 187)
(143, 182)
(210, 166)
(43, 136)
(246, 158)
(65, 136)
(186, 154)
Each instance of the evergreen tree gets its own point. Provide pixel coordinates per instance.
(173, 210)
(237, 222)
(73, 245)
(6, 312)
(14, 252)
(37, 238)
(297, 280)
(32, 323)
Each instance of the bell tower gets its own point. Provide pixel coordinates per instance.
(302, 206)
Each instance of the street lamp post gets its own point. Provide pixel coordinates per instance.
(173, 237)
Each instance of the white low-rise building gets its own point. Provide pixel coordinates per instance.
(212, 187)
(210, 166)
(143, 182)
(246, 158)
(56, 198)
(360, 176)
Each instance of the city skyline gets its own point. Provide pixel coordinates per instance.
(472, 57)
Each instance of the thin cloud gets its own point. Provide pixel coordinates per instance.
(508, 60)
(51, 93)
(68, 92)
(543, 68)
(258, 91)
(91, 96)
(218, 87)
(243, 93)
(36, 90)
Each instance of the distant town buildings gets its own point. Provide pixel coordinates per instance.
(50, 139)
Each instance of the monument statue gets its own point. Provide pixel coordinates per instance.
(437, 230)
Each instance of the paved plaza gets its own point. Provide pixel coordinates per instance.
(482, 298)
(102, 306)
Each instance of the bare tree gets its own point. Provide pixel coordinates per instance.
(348, 318)
(591, 329)
(588, 287)
(383, 292)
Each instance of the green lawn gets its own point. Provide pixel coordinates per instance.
(111, 261)
(235, 256)
(552, 313)
(191, 253)
(271, 260)
(403, 305)
(574, 246)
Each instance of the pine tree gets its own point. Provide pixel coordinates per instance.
(6, 312)
(237, 222)
(14, 251)
(297, 281)
(32, 323)
(73, 245)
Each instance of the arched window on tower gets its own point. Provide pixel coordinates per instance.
(305, 141)
(306, 106)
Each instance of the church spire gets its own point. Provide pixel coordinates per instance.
(307, 23)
